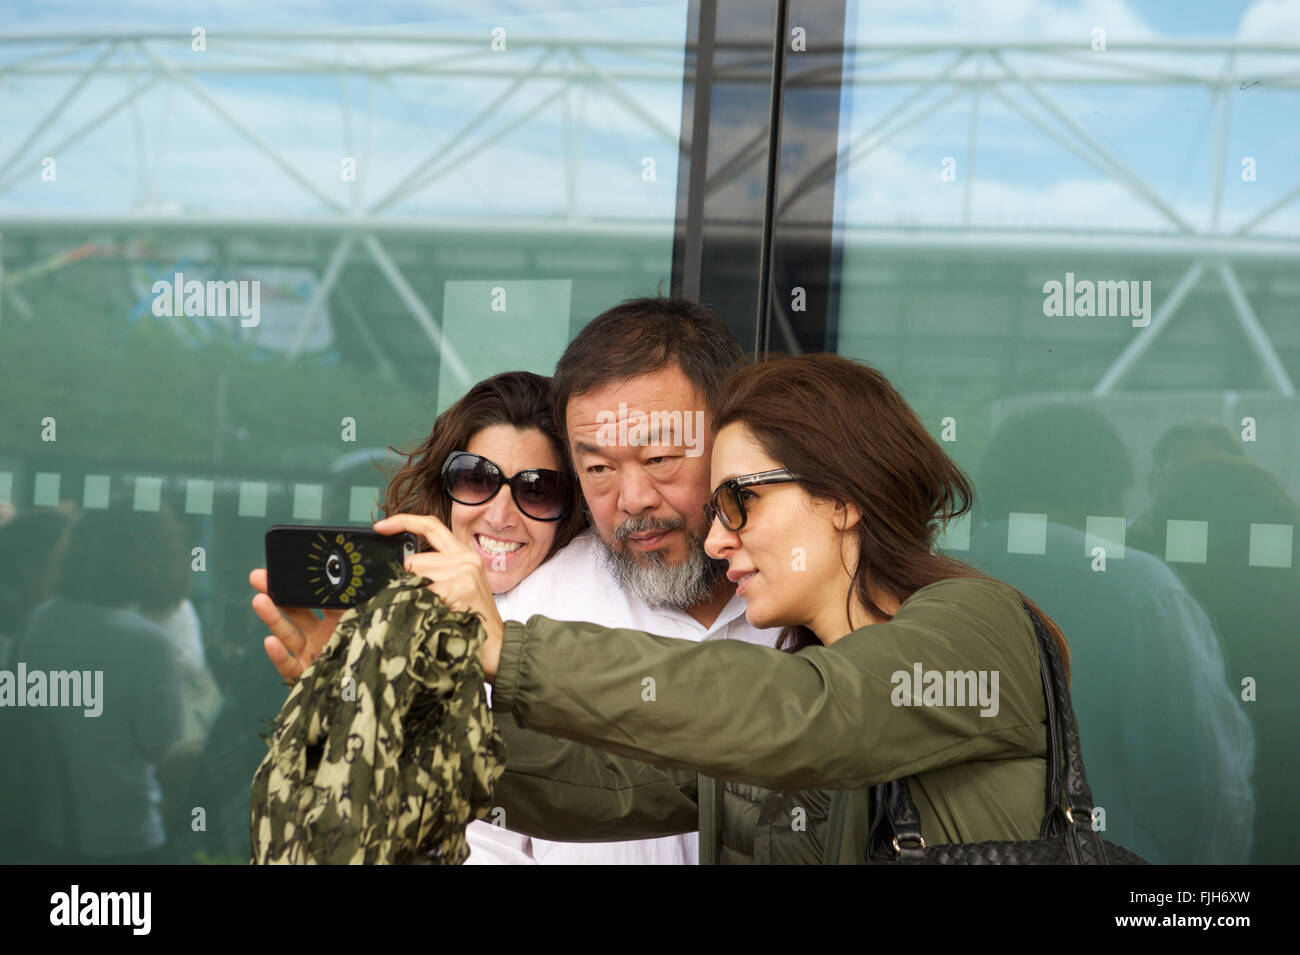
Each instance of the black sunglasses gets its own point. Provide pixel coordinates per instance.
(728, 505)
(540, 493)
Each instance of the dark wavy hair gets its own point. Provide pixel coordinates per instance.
(519, 399)
(119, 557)
(853, 439)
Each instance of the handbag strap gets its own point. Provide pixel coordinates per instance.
(1048, 657)
(894, 799)
(1086, 841)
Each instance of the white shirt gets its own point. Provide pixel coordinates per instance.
(575, 584)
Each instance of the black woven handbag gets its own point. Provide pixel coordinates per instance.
(1066, 836)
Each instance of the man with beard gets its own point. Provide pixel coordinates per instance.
(644, 469)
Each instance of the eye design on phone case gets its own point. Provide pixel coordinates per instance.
(332, 567)
(337, 568)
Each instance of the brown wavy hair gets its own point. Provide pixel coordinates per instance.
(519, 399)
(853, 439)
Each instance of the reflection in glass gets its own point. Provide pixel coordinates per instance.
(1053, 237)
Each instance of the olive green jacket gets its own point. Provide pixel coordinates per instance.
(770, 754)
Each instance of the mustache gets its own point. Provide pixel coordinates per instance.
(646, 525)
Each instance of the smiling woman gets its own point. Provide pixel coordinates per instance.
(501, 432)
(503, 421)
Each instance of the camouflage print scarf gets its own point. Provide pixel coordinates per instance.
(385, 749)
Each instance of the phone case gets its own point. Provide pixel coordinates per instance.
(332, 567)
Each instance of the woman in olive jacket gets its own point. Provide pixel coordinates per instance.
(894, 662)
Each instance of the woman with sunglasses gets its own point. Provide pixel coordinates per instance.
(493, 469)
(829, 495)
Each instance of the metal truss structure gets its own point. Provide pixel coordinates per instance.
(1023, 77)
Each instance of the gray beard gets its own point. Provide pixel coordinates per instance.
(658, 583)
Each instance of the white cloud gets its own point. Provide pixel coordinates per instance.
(1274, 20)
(982, 20)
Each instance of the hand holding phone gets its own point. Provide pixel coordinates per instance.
(297, 635)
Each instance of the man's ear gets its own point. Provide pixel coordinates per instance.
(845, 516)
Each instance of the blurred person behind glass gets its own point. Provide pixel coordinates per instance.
(97, 795)
(1254, 608)
(29, 541)
(1168, 748)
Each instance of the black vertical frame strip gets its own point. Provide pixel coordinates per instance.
(722, 181)
(697, 101)
(764, 317)
(799, 297)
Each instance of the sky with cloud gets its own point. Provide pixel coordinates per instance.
(168, 152)
(1164, 134)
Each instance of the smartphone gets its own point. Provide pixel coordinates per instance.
(332, 567)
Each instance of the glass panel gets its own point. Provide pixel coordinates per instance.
(239, 257)
(1071, 239)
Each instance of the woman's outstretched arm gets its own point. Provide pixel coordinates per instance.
(827, 717)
